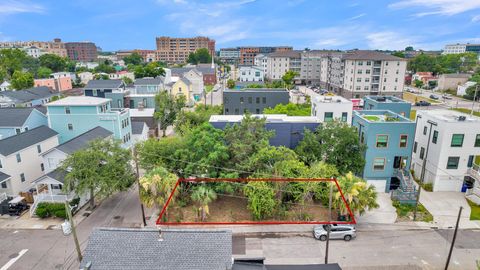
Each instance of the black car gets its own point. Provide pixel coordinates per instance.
(422, 103)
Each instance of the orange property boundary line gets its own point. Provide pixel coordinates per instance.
(352, 217)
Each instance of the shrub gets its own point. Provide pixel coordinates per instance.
(428, 187)
(45, 209)
(41, 212)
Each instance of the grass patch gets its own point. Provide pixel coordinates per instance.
(413, 114)
(467, 111)
(372, 118)
(412, 98)
(405, 212)
(475, 213)
(208, 88)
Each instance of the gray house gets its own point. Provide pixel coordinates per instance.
(113, 89)
(253, 100)
(31, 97)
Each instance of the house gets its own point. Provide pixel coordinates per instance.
(85, 77)
(146, 115)
(208, 73)
(139, 132)
(289, 130)
(253, 100)
(389, 138)
(20, 158)
(144, 92)
(451, 81)
(121, 74)
(49, 187)
(14, 121)
(64, 74)
(58, 84)
(425, 77)
(391, 103)
(172, 249)
(447, 146)
(4, 86)
(329, 108)
(197, 86)
(74, 115)
(112, 89)
(462, 88)
(250, 74)
(31, 97)
(183, 87)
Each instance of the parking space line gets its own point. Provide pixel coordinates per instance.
(13, 260)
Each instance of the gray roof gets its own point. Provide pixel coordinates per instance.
(256, 90)
(186, 81)
(58, 175)
(371, 55)
(14, 117)
(121, 248)
(149, 81)
(137, 127)
(202, 69)
(289, 54)
(23, 140)
(30, 94)
(3, 176)
(102, 84)
(83, 139)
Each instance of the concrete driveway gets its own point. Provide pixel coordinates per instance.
(384, 214)
(444, 207)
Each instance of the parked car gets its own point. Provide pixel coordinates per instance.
(422, 103)
(446, 96)
(432, 96)
(345, 232)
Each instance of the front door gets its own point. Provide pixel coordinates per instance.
(400, 162)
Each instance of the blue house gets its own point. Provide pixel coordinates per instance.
(74, 115)
(289, 130)
(389, 138)
(14, 121)
(35, 96)
(391, 103)
(112, 89)
(144, 92)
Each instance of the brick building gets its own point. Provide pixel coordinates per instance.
(81, 51)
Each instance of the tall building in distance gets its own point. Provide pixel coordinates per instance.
(54, 47)
(247, 54)
(82, 51)
(176, 50)
(461, 48)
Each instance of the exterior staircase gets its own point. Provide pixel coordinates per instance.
(407, 193)
(473, 194)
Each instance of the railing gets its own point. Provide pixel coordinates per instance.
(474, 172)
(3, 197)
(407, 192)
(46, 198)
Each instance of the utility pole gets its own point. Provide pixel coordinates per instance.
(74, 231)
(329, 220)
(454, 238)
(474, 97)
(135, 156)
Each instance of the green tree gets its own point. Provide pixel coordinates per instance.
(44, 72)
(53, 62)
(3, 74)
(11, 60)
(31, 65)
(399, 54)
(261, 199)
(149, 70)
(127, 80)
(470, 92)
(156, 187)
(168, 107)
(409, 49)
(134, 59)
(359, 195)
(154, 153)
(104, 68)
(21, 80)
(199, 56)
(418, 83)
(335, 143)
(100, 169)
(288, 77)
(203, 196)
(101, 76)
(263, 161)
(230, 84)
(290, 109)
(187, 120)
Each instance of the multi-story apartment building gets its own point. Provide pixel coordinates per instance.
(147, 55)
(447, 144)
(389, 139)
(332, 72)
(253, 100)
(261, 61)
(390, 103)
(14, 121)
(82, 51)
(176, 50)
(311, 66)
(461, 48)
(278, 63)
(74, 115)
(230, 56)
(54, 47)
(20, 158)
(247, 54)
(327, 108)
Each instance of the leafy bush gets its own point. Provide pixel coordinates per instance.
(41, 212)
(428, 186)
(45, 209)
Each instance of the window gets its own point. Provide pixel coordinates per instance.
(386, 63)
(1, 166)
(4, 184)
(403, 141)
(328, 117)
(236, 111)
(415, 144)
(384, 79)
(470, 161)
(42, 167)
(359, 79)
(344, 116)
(70, 127)
(257, 100)
(425, 130)
(264, 100)
(226, 110)
(257, 111)
(359, 71)
(362, 137)
(435, 136)
(477, 141)
(241, 100)
(367, 71)
(22, 177)
(367, 79)
(360, 63)
(369, 63)
(457, 140)
(382, 141)
(250, 100)
(358, 88)
(379, 164)
(67, 110)
(17, 130)
(422, 153)
(452, 163)
(39, 148)
(365, 88)
(19, 158)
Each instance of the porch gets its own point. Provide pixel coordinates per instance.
(49, 188)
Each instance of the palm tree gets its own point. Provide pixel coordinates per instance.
(359, 195)
(156, 187)
(203, 196)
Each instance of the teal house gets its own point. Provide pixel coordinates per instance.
(75, 115)
(14, 121)
(389, 138)
(391, 103)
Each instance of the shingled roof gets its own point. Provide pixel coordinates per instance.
(26, 139)
(102, 84)
(14, 117)
(83, 139)
(30, 94)
(140, 249)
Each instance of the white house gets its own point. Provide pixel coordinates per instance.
(329, 108)
(85, 77)
(250, 74)
(260, 60)
(196, 78)
(462, 88)
(21, 160)
(4, 86)
(33, 52)
(63, 74)
(446, 145)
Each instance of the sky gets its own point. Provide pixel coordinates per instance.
(315, 24)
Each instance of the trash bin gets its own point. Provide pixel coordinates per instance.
(66, 228)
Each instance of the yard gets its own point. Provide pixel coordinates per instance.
(412, 98)
(475, 211)
(405, 212)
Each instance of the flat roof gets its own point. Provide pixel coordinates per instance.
(146, 112)
(381, 116)
(330, 99)
(79, 101)
(449, 116)
(270, 118)
(386, 99)
(256, 90)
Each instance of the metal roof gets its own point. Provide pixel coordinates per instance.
(26, 139)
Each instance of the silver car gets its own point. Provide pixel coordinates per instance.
(345, 232)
